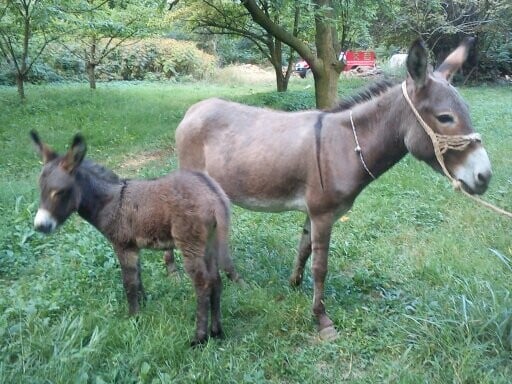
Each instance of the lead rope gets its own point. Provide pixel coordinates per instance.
(442, 143)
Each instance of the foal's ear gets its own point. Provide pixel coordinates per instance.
(417, 62)
(46, 153)
(75, 154)
(455, 59)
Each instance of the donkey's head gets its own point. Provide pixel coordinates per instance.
(443, 109)
(60, 195)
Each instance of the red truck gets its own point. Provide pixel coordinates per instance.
(352, 60)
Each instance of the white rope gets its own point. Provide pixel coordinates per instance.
(357, 149)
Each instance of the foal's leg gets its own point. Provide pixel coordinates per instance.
(141, 295)
(212, 261)
(130, 270)
(321, 234)
(303, 254)
(194, 262)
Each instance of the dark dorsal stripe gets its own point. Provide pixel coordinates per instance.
(318, 144)
(366, 94)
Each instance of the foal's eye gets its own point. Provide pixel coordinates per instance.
(445, 118)
(56, 193)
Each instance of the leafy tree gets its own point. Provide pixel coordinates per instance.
(101, 26)
(324, 26)
(443, 23)
(26, 28)
(227, 18)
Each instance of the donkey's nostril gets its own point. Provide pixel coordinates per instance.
(483, 177)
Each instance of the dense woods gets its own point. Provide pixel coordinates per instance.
(115, 39)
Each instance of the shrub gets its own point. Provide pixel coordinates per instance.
(148, 59)
(159, 59)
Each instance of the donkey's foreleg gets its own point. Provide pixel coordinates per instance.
(303, 254)
(321, 234)
(130, 269)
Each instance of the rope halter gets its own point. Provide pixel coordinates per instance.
(443, 143)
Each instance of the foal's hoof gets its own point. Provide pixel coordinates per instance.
(217, 334)
(198, 342)
(328, 334)
(295, 280)
(241, 283)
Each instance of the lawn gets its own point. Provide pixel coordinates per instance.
(418, 284)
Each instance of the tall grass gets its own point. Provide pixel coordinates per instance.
(418, 284)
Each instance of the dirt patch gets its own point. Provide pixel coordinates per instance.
(245, 74)
(136, 162)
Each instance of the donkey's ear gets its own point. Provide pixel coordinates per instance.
(46, 153)
(75, 154)
(417, 62)
(455, 59)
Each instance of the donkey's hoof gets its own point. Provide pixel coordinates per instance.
(328, 334)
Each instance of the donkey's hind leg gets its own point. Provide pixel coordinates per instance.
(302, 255)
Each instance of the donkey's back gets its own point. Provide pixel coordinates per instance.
(226, 140)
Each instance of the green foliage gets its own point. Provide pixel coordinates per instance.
(415, 285)
(146, 59)
(443, 24)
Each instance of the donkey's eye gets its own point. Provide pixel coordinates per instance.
(445, 118)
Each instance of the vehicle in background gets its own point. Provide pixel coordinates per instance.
(352, 60)
(302, 68)
(355, 59)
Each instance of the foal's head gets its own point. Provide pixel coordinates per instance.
(444, 110)
(60, 195)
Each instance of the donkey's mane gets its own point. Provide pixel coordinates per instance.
(99, 171)
(373, 90)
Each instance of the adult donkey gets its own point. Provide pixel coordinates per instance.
(319, 161)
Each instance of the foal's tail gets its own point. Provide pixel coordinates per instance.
(222, 217)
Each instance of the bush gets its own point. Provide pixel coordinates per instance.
(153, 59)
(148, 59)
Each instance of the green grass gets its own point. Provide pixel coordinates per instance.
(418, 284)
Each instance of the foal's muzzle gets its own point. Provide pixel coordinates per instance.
(44, 221)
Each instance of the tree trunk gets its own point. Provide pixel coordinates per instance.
(327, 69)
(91, 74)
(281, 80)
(20, 83)
(326, 86)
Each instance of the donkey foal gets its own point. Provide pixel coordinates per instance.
(184, 209)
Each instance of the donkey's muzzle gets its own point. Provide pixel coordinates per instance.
(44, 221)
